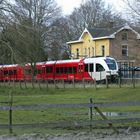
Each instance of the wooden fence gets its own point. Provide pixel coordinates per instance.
(120, 82)
(89, 122)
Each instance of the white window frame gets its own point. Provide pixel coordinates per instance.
(125, 49)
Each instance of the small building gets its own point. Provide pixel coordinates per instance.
(122, 43)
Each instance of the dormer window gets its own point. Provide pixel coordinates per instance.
(124, 36)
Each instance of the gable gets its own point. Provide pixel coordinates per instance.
(85, 34)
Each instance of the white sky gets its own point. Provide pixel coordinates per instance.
(69, 5)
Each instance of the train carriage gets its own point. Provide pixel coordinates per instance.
(10, 72)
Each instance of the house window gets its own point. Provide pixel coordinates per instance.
(124, 50)
(85, 52)
(124, 36)
(77, 53)
(88, 52)
(103, 50)
(92, 51)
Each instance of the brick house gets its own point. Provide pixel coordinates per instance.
(122, 43)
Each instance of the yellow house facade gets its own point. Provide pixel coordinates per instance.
(87, 46)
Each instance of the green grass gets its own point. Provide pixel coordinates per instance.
(71, 95)
(32, 96)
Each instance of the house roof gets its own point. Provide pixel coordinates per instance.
(103, 33)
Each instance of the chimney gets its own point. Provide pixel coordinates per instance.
(111, 24)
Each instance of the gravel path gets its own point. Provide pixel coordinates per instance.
(76, 136)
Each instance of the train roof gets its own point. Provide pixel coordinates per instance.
(6, 66)
(63, 61)
(86, 60)
(96, 59)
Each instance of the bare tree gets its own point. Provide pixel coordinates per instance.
(133, 10)
(59, 34)
(93, 13)
(27, 30)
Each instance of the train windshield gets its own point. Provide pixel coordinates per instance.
(111, 64)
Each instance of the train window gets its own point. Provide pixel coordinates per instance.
(79, 68)
(86, 67)
(74, 70)
(49, 69)
(5, 72)
(65, 70)
(70, 70)
(99, 68)
(61, 70)
(43, 70)
(57, 70)
(91, 67)
(12, 72)
(111, 63)
(38, 71)
(27, 71)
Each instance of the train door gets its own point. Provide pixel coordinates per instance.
(100, 72)
(1, 75)
(27, 73)
(89, 71)
(80, 71)
(50, 75)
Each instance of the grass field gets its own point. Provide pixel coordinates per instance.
(32, 96)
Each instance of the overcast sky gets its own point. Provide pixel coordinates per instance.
(69, 5)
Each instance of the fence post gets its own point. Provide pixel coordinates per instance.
(32, 81)
(25, 83)
(133, 78)
(105, 118)
(10, 112)
(39, 83)
(119, 81)
(95, 84)
(46, 80)
(73, 80)
(63, 83)
(20, 84)
(90, 113)
(106, 82)
(83, 80)
(55, 83)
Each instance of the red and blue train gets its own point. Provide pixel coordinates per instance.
(97, 68)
